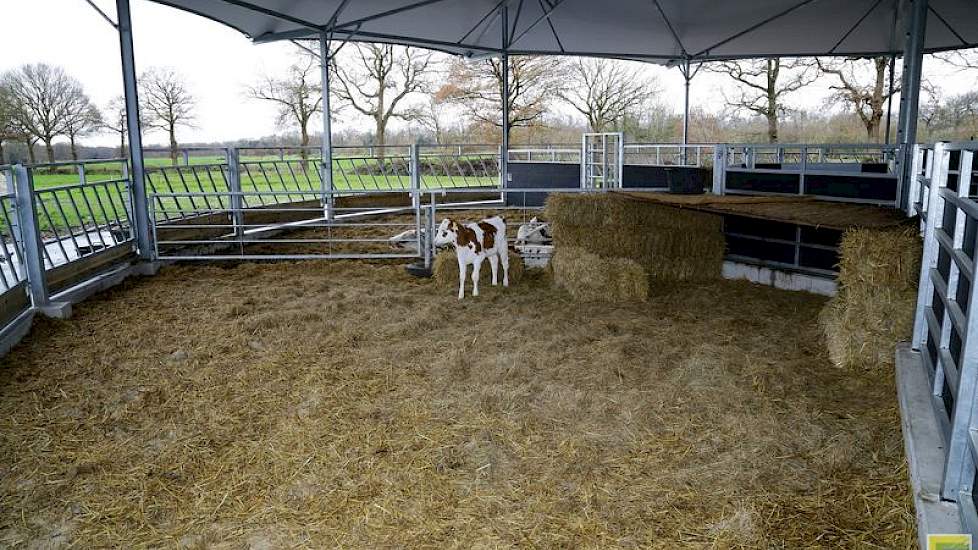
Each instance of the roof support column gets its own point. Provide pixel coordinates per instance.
(326, 143)
(140, 206)
(889, 100)
(913, 56)
(504, 96)
(687, 76)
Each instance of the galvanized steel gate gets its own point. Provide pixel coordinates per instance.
(602, 160)
(946, 321)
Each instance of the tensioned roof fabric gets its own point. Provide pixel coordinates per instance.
(650, 30)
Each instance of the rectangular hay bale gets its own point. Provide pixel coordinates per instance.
(671, 244)
(874, 308)
(591, 278)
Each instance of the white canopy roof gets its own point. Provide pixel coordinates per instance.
(651, 30)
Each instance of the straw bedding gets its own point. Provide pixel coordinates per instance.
(349, 405)
(878, 271)
(671, 244)
(444, 269)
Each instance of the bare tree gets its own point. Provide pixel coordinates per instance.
(606, 91)
(10, 130)
(167, 104)
(375, 79)
(82, 118)
(762, 85)
(962, 59)
(114, 119)
(42, 95)
(431, 116)
(949, 118)
(297, 96)
(862, 86)
(533, 83)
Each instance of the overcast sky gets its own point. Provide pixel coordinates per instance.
(217, 62)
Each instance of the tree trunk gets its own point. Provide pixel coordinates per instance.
(873, 128)
(381, 138)
(304, 142)
(49, 147)
(74, 147)
(122, 145)
(173, 145)
(3, 156)
(31, 157)
(772, 127)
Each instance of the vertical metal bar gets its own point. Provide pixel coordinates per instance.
(415, 169)
(719, 168)
(326, 164)
(687, 76)
(30, 236)
(429, 249)
(889, 99)
(621, 161)
(504, 97)
(935, 216)
(913, 56)
(140, 219)
(234, 193)
(804, 168)
(915, 170)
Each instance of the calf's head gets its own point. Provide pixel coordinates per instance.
(447, 232)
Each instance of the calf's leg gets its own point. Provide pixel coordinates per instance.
(504, 259)
(476, 265)
(461, 279)
(494, 264)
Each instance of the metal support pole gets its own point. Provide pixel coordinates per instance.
(719, 168)
(889, 99)
(687, 76)
(415, 168)
(504, 148)
(913, 56)
(140, 218)
(621, 161)
(504, 97)
(326, 166)
(30, 236)
(236, 202)
(803, 167)
(429, 248)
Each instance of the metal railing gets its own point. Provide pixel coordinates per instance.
(921, 171)
(12, 273)
(564, 153)
(283, 230)
(856, 173)
(946, 319)
(60, 223)
(696, 155)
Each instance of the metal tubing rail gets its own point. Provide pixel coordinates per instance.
(946, 317)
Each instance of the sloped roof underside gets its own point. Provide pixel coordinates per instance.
(651, 30)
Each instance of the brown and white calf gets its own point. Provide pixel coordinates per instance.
(474, 243)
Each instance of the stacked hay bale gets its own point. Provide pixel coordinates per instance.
(444, 269)
(589, 277)
(874, 308)
(670, 244)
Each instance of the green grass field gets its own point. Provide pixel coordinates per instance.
(62, 203)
